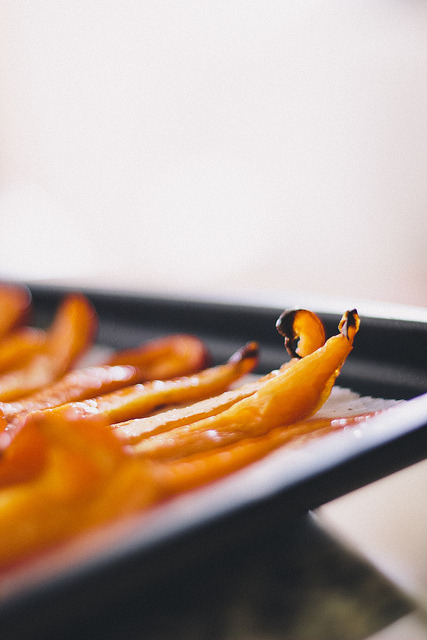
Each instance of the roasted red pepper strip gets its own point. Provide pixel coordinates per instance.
(291, 396)
(192, 471)
(142, 399)
(77, 385)
(136, 429)
(176, 355)
(299, 326)
(303, 332)
(164, 358)
(70, 335)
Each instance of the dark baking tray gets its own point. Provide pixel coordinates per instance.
(194, 535)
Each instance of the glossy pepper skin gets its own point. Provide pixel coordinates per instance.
(294, 394)
(164, 358)
(71, 334)
(141, 399)
(175, 355)
(85, 478)
(303, 332)
(195, 470)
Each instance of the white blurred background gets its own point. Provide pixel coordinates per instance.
(216, 147)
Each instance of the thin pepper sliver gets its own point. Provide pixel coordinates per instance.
(292, 395)
(192, 471)
(175, 355)
(141, 399)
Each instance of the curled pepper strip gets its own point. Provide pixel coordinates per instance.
(135, 430)
(68, 338)
(292, 395)
(303, 332)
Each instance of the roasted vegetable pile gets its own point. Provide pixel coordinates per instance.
(82, 446)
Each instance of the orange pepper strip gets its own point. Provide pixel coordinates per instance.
(298, 325)
(165, 358)
(87, 479)
(74, 386)
(303, 331)
(292, 395)
(72, 332)
(141, 399)
(18, 347)
(22, 458)
(192, 471)
(134, 430)
(69, 336)
(15, 303)
(173, 356)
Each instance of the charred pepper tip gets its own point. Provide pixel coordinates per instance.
(349, 324)
(250, 350)
(303, 332)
